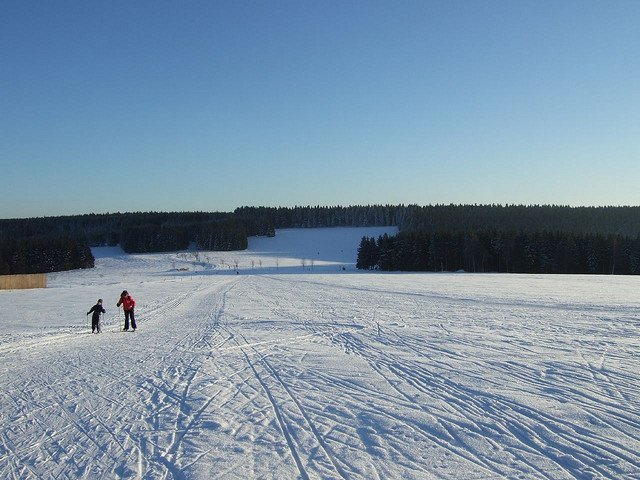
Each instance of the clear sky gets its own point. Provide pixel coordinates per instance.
(110, 106)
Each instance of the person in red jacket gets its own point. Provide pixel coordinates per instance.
(128, 303)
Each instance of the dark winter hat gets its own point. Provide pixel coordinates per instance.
(124, 292)
(99, 300)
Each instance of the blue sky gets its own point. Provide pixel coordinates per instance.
(112, 106)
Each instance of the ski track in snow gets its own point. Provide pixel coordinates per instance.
(279, 373)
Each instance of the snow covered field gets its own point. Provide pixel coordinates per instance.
(298, 366)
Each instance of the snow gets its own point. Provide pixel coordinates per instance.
(296, 365)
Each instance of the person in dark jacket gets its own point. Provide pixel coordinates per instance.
(128, 303)
(95, 318)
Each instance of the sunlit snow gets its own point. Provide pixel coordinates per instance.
(284, 361)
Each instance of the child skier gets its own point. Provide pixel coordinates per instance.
(127, 303)
(95, 318)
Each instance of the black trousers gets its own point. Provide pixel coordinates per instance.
(95, 326)
(129, 314)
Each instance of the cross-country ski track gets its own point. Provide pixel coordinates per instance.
(291, 369)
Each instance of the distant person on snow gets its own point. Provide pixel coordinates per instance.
(95, 318)
(127, 303)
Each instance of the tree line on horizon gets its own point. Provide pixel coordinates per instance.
(503, 252)
(142, 232)
(512, 238)
(43, 255)
(22, 241)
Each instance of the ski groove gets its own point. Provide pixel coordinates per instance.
(284, 428)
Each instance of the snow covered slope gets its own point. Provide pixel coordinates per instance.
(283, 361)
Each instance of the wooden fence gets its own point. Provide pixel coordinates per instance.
(10, 282)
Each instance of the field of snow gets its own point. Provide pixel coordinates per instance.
(285, 362)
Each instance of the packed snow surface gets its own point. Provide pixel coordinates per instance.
(285, 362)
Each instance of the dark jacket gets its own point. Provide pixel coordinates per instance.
(97, 309)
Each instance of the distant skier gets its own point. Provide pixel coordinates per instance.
(128, 303)
(95, 318)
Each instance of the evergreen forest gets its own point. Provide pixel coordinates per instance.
(473, 238)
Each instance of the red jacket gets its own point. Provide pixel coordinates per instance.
(127, 302)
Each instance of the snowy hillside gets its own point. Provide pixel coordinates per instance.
(284, 361)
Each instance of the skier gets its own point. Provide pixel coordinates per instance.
(128, 303)
(95, 318)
